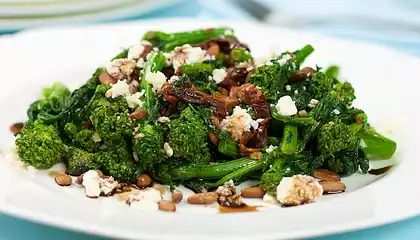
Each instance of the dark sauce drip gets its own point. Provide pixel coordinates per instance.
(237, 209)
(380, 171)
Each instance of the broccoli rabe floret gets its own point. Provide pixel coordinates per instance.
(110, 119)
(40, 145)
(271, 79)
(149, 147)
(348, 162)
(86, 139)
(346, 92)
(188, 137)
(334, 137)
(79, 161)
(320, 85)
(119, 163)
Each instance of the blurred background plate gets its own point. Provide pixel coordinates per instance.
(17, 9)
(78, 12)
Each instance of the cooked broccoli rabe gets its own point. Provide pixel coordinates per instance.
(348, 162)
(334, 137)
(188, 137)
(53, 101)
(40, 145)
(80, 161)
(86, 139)
(148, 145)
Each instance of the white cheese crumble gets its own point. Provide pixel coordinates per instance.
(91, 183)
(187, 55)
(140, 63)
(336, 112)
(134, 100)
(107, 185)
(298, 189)
(313, 103)
(239, 122)
(270, 149)
(269, 63)
(288, 88)
(286, 106)
(296, 92)
(168, 150)
(219, 75)
(121, 68)
(284, 59)
(120, 88)
(146, 199)
(135, 51)
(157, 79)
(269, 199)
(173, 79)
(164, 119)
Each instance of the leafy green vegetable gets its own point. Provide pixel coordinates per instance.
(40, 145)
(188, 137)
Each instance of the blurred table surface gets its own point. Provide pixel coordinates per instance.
(400, 37)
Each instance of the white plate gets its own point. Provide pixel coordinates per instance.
(14, 10)
(385, 82)
(109, 11)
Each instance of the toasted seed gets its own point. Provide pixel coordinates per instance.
(105, 78)
(144, 180)
(16, 127)
(100, 173)
(203, 198)
(324, 174)
(79, 179)
(132, 89)
(330, 187)
(63, 180)
(213, 138)
(253, 192)
(177, 196)
(139, 114)
(303, 113)
(167, 206)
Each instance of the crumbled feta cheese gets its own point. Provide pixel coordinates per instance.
(146, 199)
(270, 149)
(298, 189)
(91, 183)
(121, 68)
(219, 75)
(239, 122)
(107, 185)
(168, 150)
(135, 51)
(210, 78)
(284, 59)
(228, 195)
(269, 63)
(336, 112)
(288, 88)
(313, 103)
(296, 92)
(187, 55)
(121, 88)
(304, 88)
(155, 49)
(134, 100)
(269, 199)
(157, 79)
(286, 106)
(140, 63)
(173, 79)
(96, 137)
(164, 119)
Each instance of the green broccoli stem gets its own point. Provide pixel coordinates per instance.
(288, 143)
(228, 147)
(156, 63)
(303, 53)
(238, 55)
(168, 42)
(377, 147)
(211, 171)
(195, 67)
(292, 119)
(241, 172)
